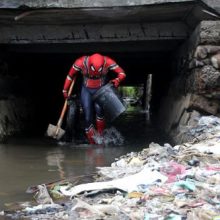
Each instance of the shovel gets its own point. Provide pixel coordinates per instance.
(55, 131)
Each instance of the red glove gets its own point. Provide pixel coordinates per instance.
(65, 94)
(116, 82)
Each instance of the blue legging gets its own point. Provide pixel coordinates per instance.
(89, 106)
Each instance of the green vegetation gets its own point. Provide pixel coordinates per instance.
(130, 91)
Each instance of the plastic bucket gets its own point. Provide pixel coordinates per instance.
(108, 98)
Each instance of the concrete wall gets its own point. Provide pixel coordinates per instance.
(24, 34)
(13, 117)
(16, 111)
(80, 3)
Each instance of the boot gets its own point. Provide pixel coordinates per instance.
(90, 132)
(100, 125)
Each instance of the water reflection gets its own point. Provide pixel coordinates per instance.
(95, 156)
(55, 159)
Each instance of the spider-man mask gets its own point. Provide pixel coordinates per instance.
(95, 64)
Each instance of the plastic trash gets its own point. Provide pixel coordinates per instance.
(185, 185)
(173, 217)
(127, 184)
(88, 210)
(42, 196)
(172, 170)
(42, 208)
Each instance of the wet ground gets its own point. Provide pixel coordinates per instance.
(26, 162)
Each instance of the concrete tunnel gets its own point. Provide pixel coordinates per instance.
(38, 47)
(40, 77)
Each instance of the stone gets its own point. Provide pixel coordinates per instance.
(201, 52)
(193, 120)
(212, 49)
(215, 60)
(203, 80)
(209, 32)
(203, 104)
(195, 63)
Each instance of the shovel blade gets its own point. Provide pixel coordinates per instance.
(54, 132)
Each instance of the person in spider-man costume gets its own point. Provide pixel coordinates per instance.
(94, 70)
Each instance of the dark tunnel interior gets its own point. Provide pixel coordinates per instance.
(40, 77)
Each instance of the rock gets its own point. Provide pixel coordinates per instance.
(195, 63)
(201, 52)
(203, 80)
(215, 60)
(203, 104)
(212, 49)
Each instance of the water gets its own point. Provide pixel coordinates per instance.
(26, 162)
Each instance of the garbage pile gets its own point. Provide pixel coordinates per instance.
(157, 183)
(199, 128)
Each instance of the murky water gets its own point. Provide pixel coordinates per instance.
(26, 162)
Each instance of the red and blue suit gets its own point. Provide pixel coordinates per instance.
(94, 70)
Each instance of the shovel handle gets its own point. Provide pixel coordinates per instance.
(59, 123)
